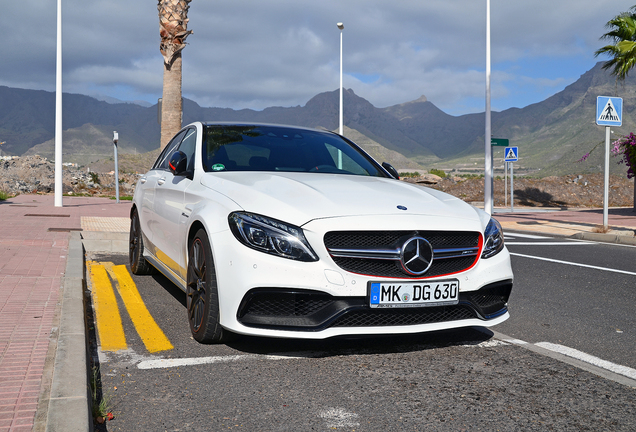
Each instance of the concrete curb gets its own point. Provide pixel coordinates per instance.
(69, 404)
(101, 241)
(606, 238)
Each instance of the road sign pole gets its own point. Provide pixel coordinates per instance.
(606, 185)
(512, 187)
(505, 184)
(609, 112)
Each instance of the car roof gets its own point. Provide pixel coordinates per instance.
(243, 123)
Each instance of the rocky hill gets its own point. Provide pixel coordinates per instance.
(551, 135)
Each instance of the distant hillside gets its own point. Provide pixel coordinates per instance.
(551, 135)
(27, 118)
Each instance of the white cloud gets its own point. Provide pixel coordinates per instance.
(246, 54)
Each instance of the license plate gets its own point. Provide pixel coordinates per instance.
(413, 294)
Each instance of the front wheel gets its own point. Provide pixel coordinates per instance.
(202, 296)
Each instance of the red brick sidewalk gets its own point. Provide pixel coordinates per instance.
(34, 241)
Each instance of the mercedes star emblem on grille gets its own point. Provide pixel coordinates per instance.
(416, 256)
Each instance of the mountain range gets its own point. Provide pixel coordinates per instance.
(551, 135)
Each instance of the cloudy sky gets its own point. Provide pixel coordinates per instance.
(256, 54)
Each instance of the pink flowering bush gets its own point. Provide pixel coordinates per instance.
(626, 147)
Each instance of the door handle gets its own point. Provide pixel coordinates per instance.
(143, 180)
(161, 181)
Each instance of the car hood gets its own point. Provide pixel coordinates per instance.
(299, 198)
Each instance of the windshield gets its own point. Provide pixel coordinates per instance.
(284, 149)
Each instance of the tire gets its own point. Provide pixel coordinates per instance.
(138, 264)
(202, 298)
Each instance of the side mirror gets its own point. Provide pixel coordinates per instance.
(178, 163)
(389, 168)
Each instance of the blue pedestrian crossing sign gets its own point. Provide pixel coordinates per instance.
(609, 111)
(511, 154)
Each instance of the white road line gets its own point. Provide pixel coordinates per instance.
(548, 243)
(579, 355)
(339, 417)
(163, 363)
(515, 341)
(575, 264)
(176, 362)
(486, 344)
(530, 236)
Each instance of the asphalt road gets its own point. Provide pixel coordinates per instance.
(587, 304)
(446, 381)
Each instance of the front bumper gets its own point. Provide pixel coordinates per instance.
(265, 295)
(308, 311)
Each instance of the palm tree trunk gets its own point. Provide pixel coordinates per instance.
(172, 103)
(173, 29)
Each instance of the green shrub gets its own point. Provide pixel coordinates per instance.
(3, 195)
(409, 174)
(437, 172)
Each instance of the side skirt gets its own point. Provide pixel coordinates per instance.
(174, 278)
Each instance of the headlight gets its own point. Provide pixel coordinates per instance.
(271, 236)
(493, 239)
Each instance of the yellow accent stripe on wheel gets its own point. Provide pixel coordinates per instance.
(107, 317)
(150, 333)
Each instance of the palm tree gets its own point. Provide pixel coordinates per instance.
(623, 50)
(173, 29)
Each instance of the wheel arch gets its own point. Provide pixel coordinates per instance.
(196, 226)
(133, 209)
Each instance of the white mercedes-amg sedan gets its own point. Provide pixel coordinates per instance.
(291, 232)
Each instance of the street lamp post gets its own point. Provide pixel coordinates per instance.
(58, 111)
(341, 27)
(488, 183)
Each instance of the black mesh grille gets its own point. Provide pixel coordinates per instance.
(487, 300)
(392, 240)
(393, 269)
(411, 316)
(387, 239)
(285, 304)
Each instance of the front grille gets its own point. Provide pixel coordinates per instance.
(362, 248)
(306, 310)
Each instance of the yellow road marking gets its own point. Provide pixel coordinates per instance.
(108, 320)
(150, 333)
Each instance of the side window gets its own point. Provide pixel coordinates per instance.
(188, 146)
(164, 158)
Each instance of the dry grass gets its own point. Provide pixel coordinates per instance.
(601, 229)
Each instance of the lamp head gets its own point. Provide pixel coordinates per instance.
(340, 26)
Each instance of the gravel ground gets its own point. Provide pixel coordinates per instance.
(563, 191)
(35, 174)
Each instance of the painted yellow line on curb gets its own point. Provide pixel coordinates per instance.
(107, 317)
(150, 333)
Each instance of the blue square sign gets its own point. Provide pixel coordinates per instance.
(511, 154)
(609, 111)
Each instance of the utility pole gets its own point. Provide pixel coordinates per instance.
(488, 183)
(58, 111)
